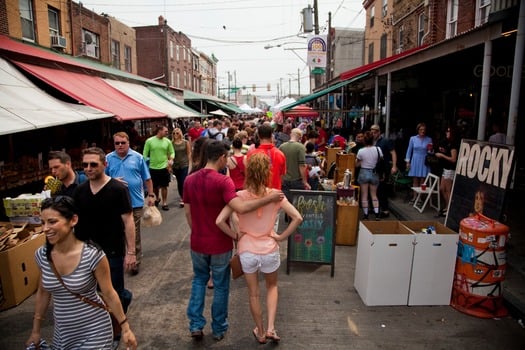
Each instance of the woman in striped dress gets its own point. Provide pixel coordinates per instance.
(81, 267)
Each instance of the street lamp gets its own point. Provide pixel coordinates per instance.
(268, 46)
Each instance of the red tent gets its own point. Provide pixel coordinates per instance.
(301, 111)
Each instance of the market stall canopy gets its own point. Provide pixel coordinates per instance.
(171, 98)
(323, 92)
(142, 94)
(191, 96)
(24, 106)
(301, 111)
(286, 101)
(92, 91)
(246, 108)
(220, 112)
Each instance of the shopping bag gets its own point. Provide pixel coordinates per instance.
(151, 216)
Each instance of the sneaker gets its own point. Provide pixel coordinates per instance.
(365, 217)
(385, 214)
(218, 337)
(378, 216)
(134, 271)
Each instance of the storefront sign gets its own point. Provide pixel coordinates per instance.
(483, 174)
(314, 240)
(317, 49)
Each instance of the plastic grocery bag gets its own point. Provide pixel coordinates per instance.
(151, 216)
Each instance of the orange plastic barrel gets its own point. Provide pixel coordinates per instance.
(480, 267)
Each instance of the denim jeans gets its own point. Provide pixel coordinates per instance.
(180, 174)
(219, 266)
(116, 266)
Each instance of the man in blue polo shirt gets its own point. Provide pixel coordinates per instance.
(129, 166)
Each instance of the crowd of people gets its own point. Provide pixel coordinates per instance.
(233, 178)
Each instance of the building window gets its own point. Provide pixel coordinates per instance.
(115, 54)
(185, 80)
(384, 9)
(54, 22)
(184, 53)
(127, 59)
(372, 15)
(178, 53)
(178, 79)
(482, 14)
(172, 78)
(420, 29)
(26, 17)
(90, 44)
(171, 49)
(452, 18)
(400, 38)
(382, 49)
(371, 53)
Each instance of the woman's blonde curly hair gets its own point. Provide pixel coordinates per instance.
(257, 173)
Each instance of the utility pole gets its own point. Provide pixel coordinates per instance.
(329, 49)
(229, 79)
(298, 82)
(317, 77)
(289, 87)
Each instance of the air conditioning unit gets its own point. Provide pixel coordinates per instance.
(58, 41)
(398, 50)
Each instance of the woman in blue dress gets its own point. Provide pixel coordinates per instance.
(418, 147)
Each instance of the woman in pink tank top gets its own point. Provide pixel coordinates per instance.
(258, 245)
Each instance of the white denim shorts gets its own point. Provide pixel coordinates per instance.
(448, 174)
(267, 263)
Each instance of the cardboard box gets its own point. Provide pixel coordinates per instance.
(384, 262)
(23, 205)
(433, 264)
(19, 273)
(347, 224)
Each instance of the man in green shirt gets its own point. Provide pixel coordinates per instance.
(158, 150)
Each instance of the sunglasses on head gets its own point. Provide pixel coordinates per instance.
(91, 164)
(60, 199)
(120, 143)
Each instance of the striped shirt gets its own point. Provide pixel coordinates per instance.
(78, 325)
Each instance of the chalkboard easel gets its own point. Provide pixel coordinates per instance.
(314, 241)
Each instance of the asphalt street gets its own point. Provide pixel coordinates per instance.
(315, 311)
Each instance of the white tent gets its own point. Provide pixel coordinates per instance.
(220, 112)
(246, 108)
(285, 102)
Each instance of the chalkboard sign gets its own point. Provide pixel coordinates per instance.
(314, 241)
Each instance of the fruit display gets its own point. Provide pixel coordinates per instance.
(53, 184)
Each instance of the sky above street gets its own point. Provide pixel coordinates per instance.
(237, 32)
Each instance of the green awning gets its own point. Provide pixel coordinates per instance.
(323, 92)
(219, 103)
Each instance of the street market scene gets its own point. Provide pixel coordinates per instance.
(160, 189)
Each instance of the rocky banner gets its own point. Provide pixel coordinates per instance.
(483, 174)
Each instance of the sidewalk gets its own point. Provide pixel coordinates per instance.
(315, 310)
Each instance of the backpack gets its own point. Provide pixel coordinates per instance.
(213, 136)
